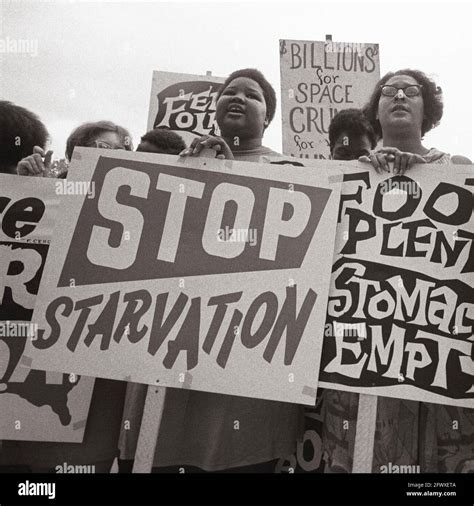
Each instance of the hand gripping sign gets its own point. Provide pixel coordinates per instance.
(191, 273)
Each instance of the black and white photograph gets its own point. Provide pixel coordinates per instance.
(236, 252)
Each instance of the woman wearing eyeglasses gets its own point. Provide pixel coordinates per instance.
(100, 445)
(100, 134)
(404, 106)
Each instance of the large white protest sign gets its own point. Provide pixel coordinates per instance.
(191, 273)
(34, 405)
(401, 302)
(318, 79)
(184, 103)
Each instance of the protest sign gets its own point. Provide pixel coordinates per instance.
(34, 405)
(401, 302)
(190, 273)
(318, 79)
(308, 457)
(184, 103)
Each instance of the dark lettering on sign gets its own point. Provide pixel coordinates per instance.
(308, 457)
(311, 119)
(282, 323)
(19, 219)
(35, 387)
(413, 198)
(169, 226)
(425, 237)
(319, 80)
(188, 106)
(357, 196)
(21, 268)
(398, 326)
(327, 94)
(351, 57)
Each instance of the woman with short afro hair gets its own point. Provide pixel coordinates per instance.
(404, 106)
(20, 131)
(245, 107)
(431, 94)
(203, 431)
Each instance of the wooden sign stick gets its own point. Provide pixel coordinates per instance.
(149, 429)
(365, 434)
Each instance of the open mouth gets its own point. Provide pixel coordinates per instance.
(235, 109)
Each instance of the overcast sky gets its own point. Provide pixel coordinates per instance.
(94, 60)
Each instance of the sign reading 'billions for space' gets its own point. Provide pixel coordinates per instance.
(318, 79)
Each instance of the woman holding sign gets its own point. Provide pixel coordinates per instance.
(245, 107)
(99, 447)
(404, 106)
(207, 431)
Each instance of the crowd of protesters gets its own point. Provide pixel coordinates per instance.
(197, 428)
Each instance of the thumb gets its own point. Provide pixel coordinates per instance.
(419, 159)
(21, 169)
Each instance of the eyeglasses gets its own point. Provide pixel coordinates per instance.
(102, 145)
(413, 90)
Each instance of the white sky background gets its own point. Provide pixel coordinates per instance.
(95, 59)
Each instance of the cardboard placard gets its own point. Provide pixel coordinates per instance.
(318, 79)
(184, 103)
(401, 302)
(34, 405)
(190, 273)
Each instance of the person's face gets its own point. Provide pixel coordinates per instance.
(350, 147)
(241, 109)
(108, 140)
(400, 111)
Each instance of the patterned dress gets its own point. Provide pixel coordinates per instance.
(438, 438)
